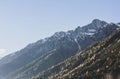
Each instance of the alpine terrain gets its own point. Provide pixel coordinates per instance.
(58, 57)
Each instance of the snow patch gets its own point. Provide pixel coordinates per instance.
(91, 30)
(79, 47)
(89, 33)
(118, 25)
(105, 25)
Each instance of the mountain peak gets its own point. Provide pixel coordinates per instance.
(98, 23)
(118, 23)
(50, 51)
(96, 20)
(59, 34)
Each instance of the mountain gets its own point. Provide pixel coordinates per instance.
(92, 63)
(41, 55)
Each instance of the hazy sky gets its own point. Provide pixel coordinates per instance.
(26, 21)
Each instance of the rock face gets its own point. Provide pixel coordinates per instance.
(93, 63)
(41, 55)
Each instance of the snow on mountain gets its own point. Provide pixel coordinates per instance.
(54, 49)
(92, 30)
(118, 24)
(89, 33)
(79, 47)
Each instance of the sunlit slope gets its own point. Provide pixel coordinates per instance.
(92, 63)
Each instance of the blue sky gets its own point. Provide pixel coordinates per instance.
(26, 21)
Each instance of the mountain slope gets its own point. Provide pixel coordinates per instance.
(34, 58)
(92, 63)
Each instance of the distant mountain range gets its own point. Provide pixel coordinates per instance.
(37, 57)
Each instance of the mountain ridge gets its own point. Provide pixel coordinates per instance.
(61, 45)
(102, 58)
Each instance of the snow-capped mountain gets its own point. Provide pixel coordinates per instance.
(41, 55)
(93, 63)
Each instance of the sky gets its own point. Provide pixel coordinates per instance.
(26, 21)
